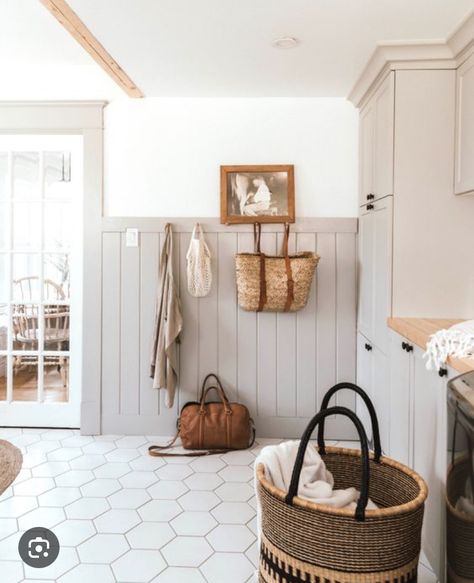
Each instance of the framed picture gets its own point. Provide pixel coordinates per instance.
(257, 194)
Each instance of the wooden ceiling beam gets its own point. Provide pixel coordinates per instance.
(66, 16)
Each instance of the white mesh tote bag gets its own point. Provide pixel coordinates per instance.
(198, 260)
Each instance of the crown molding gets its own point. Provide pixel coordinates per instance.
(419, 54)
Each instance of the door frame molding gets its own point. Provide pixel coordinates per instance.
(77, 118)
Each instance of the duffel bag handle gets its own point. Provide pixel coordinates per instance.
(364, 487)
(222, 395)
(211, 375)
(373, 416)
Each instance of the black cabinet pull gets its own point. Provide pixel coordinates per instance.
(370, 207)
(404, 345)
(368, 347)
(370, 196)
(443, 372)
(409, 348)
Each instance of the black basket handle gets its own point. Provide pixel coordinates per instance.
(295, 476)
(373, 417)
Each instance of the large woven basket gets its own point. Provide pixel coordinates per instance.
(306, 542)
(274, 283)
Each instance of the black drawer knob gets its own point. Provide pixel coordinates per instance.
(443, 372)
(370, 207)
(368, 347)
(370, 196)
(404, 345)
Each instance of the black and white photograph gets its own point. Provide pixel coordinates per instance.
(251, 194)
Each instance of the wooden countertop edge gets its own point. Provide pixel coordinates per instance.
(419, 330)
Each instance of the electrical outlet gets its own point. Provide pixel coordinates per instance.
(131, 238)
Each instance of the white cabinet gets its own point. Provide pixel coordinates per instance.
(376, 140)
(464, 166)
(375, 271)
(372, 376)
(418, 434)
(401, 406)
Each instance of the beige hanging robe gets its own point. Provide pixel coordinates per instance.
(168, 325)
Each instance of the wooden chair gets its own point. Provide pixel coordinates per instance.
(25, 320)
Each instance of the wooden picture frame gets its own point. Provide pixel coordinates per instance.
(257, 194)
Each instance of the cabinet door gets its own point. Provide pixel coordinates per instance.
(429, 445)
(382, 271)
(384, 104)
(364, 379)
(375, 272)
(464, 169)
(400, 375)
(366, 152)
(365, 320)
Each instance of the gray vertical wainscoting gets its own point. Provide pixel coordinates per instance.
(279, 365)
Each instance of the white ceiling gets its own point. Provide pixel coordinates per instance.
(40, 60)
(210, 47)
(223, 47)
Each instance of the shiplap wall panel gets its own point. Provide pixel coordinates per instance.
(279, 365)
(130, 330)
(149, 263)
(110, 377)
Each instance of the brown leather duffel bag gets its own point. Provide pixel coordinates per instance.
(214, 427)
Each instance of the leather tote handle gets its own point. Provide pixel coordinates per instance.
(364, 488)
(211, 375)
(373, 417)
(257, 234)
(290, 293)
(222, 395)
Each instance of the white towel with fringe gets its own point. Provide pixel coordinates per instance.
(316, 482)
(457, 341)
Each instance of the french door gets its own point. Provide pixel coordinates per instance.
(40, 280)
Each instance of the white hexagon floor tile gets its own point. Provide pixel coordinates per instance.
(129, 498)
(118, 521)
(89, 573)
(147, 463)
(34, 487)
(47, 517)
(203, 501)
(235, 492)
(236, 474)
(11, 571)
(87, 462)
(150, 535)
(71, 533)
(17, 506)
(203, 481)
(193, 523)
(122, 455)
(167, 490)
(50, 469)
(138, 479)
(101, 487)
(66, 560)
(160, 510)
(64, 454)
(186, 551)
(233, 513)
(59, 497)
(239, 458)
(112, 470)
(87, 508)
(232, 538)
(228, 567)
(149, 563)
(7, 527)
(179, 574)
(174, 472)
(74, 478)
(103, 548)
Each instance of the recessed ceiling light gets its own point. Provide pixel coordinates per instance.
(285, 42)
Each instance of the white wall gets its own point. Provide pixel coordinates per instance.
(162, 155)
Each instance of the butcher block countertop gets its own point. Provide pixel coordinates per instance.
(419, 330)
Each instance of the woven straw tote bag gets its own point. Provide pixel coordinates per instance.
(306, 542)
(198, 266)
(274, 283)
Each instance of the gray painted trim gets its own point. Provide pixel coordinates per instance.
(211, 224)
